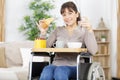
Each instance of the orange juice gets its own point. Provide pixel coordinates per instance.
(40, 43)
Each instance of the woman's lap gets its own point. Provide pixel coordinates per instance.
(51, 72)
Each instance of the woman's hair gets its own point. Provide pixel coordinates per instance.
(71, 7)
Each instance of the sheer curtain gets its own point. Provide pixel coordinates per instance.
(118, 41)
(1, 20)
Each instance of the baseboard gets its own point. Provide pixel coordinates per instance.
(115, 78)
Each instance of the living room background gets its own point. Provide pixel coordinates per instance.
(93, 9)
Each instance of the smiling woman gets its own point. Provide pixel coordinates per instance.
(2, 20)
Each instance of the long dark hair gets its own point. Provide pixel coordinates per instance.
(70, 6)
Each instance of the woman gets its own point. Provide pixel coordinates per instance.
(75, 30)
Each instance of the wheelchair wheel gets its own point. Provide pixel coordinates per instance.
(96, 72)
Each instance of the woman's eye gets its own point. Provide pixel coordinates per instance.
(70, 13)
(63, 14)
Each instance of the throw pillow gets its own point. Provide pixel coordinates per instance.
(26, 55)
(2, 58)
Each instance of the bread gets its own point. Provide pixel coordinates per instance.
(47, 22)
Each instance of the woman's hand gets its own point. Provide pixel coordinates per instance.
(85, 23)
(42, 30)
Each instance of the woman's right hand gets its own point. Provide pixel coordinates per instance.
(40, 26)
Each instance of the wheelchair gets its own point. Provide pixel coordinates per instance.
(85, 70)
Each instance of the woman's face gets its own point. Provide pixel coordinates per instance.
(70, 17)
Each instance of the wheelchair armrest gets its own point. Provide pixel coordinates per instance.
(86, 56)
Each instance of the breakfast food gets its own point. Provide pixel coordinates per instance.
(46, 22)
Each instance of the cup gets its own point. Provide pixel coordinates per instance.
(74, 44)
(59, 44)
(40, 43)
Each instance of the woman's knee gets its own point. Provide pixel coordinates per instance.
(47, 73)
(62, 69)
(49, 69)
(61, 73)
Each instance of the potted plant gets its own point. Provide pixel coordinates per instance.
(39, 9)
(103, 38)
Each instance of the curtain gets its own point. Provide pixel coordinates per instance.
(1, 20)
(118, 41)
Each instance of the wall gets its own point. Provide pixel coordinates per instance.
(14, 12)
(93, 9)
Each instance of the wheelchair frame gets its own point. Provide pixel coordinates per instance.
(81, 55)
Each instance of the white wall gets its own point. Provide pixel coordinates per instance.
(93, 9)
(14, 12)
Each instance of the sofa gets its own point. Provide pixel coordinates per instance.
(14, 60)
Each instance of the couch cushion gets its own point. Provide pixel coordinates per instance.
(7, 74)
(2, 58)
(12, 52)
(14, 73)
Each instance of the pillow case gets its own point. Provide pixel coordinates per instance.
(26, 55)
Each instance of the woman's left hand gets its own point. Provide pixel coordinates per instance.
(85, 23)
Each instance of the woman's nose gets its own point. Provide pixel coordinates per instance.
(67, 17)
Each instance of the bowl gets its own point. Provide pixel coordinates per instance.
(74, 44)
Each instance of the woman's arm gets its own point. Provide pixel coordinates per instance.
(91, 42)
(89, 37)
(52, 38)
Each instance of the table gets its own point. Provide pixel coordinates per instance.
(41, 51)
